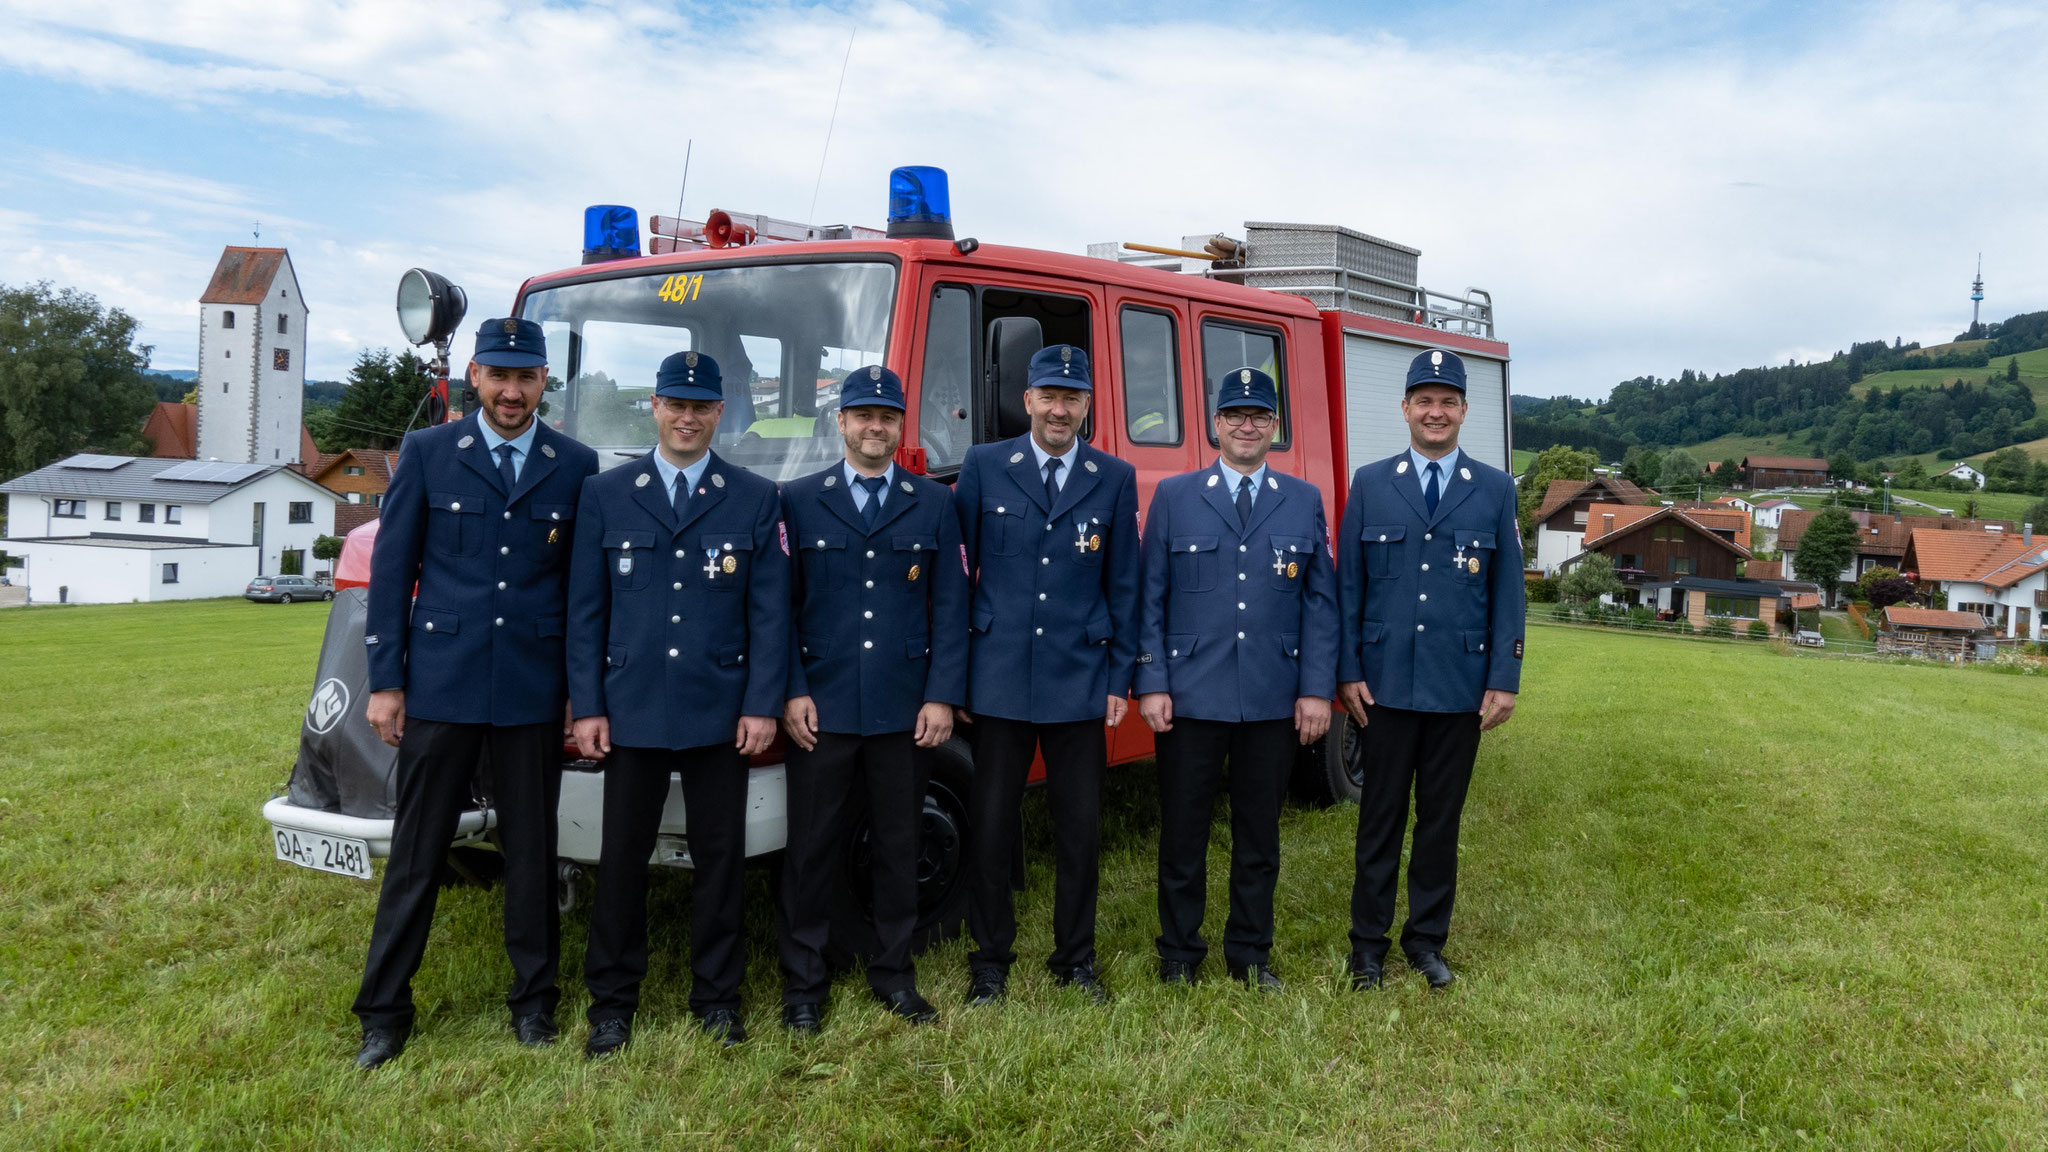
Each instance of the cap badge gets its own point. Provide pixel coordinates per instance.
(1066, 354)
(510, 327)
(874, 373)
(1436, 359)
(465, 442)
(914, 570)
(689, 359)
(640, 481)
(717, 480)
(1245, 377)
(730, 565)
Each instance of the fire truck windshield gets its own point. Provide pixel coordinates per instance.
(783, 336)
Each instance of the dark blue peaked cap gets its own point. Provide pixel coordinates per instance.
(874, 386)
(1247, 388)
(1060, 366)
(1437, 366)
(511, 343)
(689, 376)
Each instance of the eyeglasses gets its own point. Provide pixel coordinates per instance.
(1238, 418)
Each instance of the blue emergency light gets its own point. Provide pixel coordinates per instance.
(919, 207)
(610, 232)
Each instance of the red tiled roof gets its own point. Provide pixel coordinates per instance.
(1632, 516)
(243, 276)
(1901, 616)
(1563, 492)
(1785, 463)
(1879, 534)
(349, 517)
(174, 430)
(1765, 569)
(1993, 559)
(1801, 601)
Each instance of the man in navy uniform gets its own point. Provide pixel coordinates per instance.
(1237, 661)
(877, 664)
(1430, 598)
(1050, 526)
(678, 652)
(479, 518)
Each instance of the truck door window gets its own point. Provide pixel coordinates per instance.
(1151, 372)
(1226, 347)
(1061, 320)
(946, 389)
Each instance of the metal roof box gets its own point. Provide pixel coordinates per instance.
(1323, 261)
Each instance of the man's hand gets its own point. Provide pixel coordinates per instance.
(755, 734)
(1355, 697)
(1156, 710)
(934, 724)
(386, 712)
(1495, 708)
(1114, 714)
(1311, 718)
(800, 720)
(593, 737)
(962, 716)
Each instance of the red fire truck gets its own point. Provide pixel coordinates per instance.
(1332, 314)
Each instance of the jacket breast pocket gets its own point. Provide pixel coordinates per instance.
(1002, 525)
(1473, 554)
(551, 526)
(1194, 563)
(629, 557)
(824, 560)
(455, 523)
(1383, 550)
(914, 557)
(728, 559)
(1290, 561)
(1086, 540)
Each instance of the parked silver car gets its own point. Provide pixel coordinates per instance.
(285, 589)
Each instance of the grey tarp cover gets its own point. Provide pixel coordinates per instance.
(342, 765)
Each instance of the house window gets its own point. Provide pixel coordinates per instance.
(351, 469)
(146, 513)
(227, 318)
(282, 327)
(68, 509)
(1734, 606)
(1151, 377)
(1682, 565)
(170, 573)
(1579, 518)
(113, 509)
(174, 513)
(355, 497)
(281, 358)
(1669, 531)
(1628, 562)
(301, 512)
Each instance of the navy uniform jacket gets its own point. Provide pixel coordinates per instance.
(676, 630)
(1237, 622)
(1431, 606)
(1055, 617)
(482, 643)
(881, 615)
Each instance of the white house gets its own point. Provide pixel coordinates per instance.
(2001, 576)
(252, 359)
(114, 529)
(1963, 471)
(1770, 513)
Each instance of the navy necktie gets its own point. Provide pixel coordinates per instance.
(1052, 482)
(682, 495)
(1430, 493)
(505, 467)
(873, 509)
(1244, 501)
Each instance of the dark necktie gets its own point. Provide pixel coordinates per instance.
(505, 466)
(1430, 493)
(1244, 501)
(682, 495)
(1052, 482)
(872, 510)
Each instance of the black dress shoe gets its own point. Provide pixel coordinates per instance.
(723, 1025)
(607, 1037)
(905, 1002)
(379, 1045)
(1177, 972)
(806, 1018)
(1365, 972)
(1083, 976)
(1433, 968)
(987, 986)
(1261, 977)
(535, 1030)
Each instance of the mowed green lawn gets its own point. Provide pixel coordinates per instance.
(1990, 505)
(1714, 897)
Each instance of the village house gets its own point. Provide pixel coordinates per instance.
(1785, 471)
(1686, 563)
(1965, 473)
(1881, 537)
(1770, 513)
(357, 475)
(173, 430)
(2000, 576)
(1561, 517)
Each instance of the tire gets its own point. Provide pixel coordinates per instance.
(328, 596)
(285, 599)
(941, 869)
(1332, 770)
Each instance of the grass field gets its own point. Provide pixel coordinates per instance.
(1714, 896)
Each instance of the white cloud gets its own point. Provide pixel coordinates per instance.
(1631, 213)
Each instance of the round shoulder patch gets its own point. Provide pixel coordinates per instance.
(465, 442)
(718, 480)
(1017, 458)
(640, 481)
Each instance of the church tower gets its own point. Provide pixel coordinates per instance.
(252, 359)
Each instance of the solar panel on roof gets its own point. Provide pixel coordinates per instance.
(210, 472)
(94, 462)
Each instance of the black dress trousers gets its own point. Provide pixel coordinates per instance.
(828, 787)
(636, 782)
(1076, 754)
(436, 762)
(1191, 758)
(1431, 754)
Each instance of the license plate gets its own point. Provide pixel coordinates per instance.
(324, 853)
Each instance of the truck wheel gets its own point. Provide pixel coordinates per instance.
(941, 864)
(1332, 770)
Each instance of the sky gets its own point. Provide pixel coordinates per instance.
(1642, 188)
